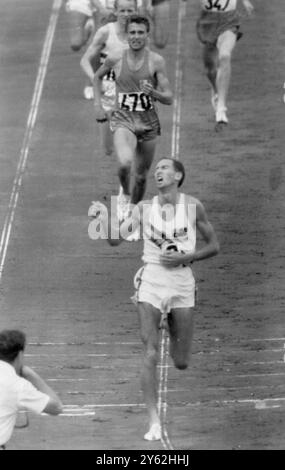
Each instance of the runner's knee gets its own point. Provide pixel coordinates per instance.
(210, 56)
(160, 40)
(124, 170)
(181, 364)
(140, 179)
(225, 50)
(225, 61)
(124, 154)
(75, 47)
(76, 42)
(150, 356)
(224, 56)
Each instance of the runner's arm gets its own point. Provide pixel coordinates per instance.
(205, 228)
(98, 76)
(210, 248)
(54, 405)
(163, 94)
(92, 52)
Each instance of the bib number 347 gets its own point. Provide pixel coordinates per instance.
(220, 5)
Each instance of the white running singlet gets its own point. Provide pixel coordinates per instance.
(219, 5)
(178, 233)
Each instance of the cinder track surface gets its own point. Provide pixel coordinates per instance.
(72, 296)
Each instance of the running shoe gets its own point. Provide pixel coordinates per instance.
(88, 93)
(135, 236)
(96, 209)
(154, 434)
(214, 100)
(123, 205)
(221, 116)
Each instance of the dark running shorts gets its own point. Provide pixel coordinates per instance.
(157, 2)
(145, 125)
(211, 24)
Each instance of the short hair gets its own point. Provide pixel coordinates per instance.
(11, 343)
(138, 19)
(178, 167)
(117, 1)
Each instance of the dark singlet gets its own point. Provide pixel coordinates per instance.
(129, 82)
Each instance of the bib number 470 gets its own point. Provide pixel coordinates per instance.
(135, 102)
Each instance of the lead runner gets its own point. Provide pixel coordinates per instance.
(218, 28)
(165, 285)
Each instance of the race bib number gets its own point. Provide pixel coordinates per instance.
(135, 101)
(219, 5)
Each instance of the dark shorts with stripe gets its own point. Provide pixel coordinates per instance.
(211, 25)
(144, 124)
(157, 2)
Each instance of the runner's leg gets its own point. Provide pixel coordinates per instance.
(125, 143)
(77, 32)
(149, 318)
(161, 17)
(181, 324)
(225, 46)
(210, 59)
(106, 138)
(144, 157)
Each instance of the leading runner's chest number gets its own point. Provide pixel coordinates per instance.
(220, 5)
(135, 102)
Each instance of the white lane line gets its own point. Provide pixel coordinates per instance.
(276, 401)
(264, 339)
(84, 367)
(227, 351)
(262, 362)
(162, 391)
(104, 405)
(87, 344)
(202, 353)
(259, 404)
(160, 366)
(274, 374)
(175, 147)
(137, 343)
(90, 410)
(6, 232)
(80, 355)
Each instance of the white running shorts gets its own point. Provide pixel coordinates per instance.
(165, 288)
(81, 6)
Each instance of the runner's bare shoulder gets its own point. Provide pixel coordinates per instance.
(191, 200)
(115, 60)
(157, 61)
